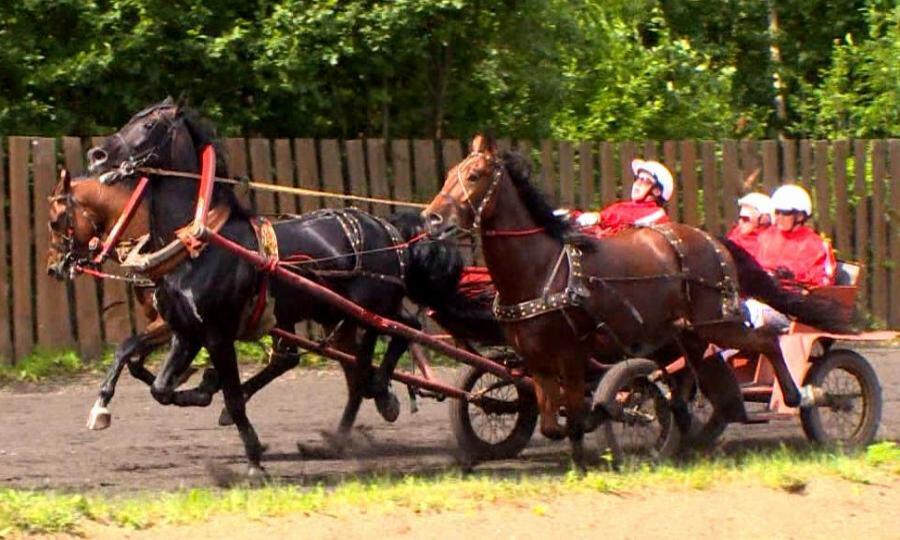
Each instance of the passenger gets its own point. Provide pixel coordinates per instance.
(755, 217)
(792, 252)
(652, 189)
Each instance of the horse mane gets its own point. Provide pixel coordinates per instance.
(535, 200)
(435, 266)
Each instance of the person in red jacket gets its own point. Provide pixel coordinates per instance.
(755, 217)
(652, 188)
(792, 252)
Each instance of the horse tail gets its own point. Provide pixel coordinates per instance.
(816, 311)
(432, 280)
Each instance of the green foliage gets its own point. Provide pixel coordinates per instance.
(611, 69)
(41, 365)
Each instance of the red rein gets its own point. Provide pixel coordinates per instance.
(514, 232)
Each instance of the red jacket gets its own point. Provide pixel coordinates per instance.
(624, 214)
(749, 241)
(802, 251)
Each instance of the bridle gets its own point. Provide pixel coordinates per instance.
(66, 244)
(477, 211)
(135, 160)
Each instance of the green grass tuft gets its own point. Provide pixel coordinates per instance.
(41, 365)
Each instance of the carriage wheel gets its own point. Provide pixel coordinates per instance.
(496, 426)
(643, 423)
(851, 416)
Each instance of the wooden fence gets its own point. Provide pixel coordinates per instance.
(855, 187)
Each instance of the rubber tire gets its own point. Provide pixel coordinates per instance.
(476, 449)
(617, 378)
(857, 365)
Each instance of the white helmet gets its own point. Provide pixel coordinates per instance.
(760, 201)
(659, 172)
(792, 197)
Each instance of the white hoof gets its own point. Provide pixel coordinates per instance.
(99, 418)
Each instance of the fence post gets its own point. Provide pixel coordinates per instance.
(20, 237)
(6, 343)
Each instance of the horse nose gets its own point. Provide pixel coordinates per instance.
(433, 222)
(97, 156)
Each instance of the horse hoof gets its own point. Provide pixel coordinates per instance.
(256, 474)
(99, 417)
(388, 406)
(225, 418)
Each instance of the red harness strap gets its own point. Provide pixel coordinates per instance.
(124, 219)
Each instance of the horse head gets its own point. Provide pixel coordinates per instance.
(158, 136)
(82, 211)
(467, 191)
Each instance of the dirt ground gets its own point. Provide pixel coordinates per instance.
(830, 508)
(44, 442)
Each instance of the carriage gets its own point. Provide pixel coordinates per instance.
(496, 402)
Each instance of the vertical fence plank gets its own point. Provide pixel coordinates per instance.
(626, 155)
(670, 158)
(879, 238)
(789, 170)
(894, 219)
(307, 163)
(54, 329)
(6, 344)
(710, 190)
(378, 180)
(731, 181)
(115, 305)
(451, 151)
(769, 167)
(566, 174)
(236, 159)
(586, 175)
(87, 310)
(822, 189)
(841, 200)
(649, 151)
(284, 176)
(750, 166)
(425, 169)
(400, 168)
(20, 237)
(861, 218)
(548, 171)
(806, 167)
(261, 171)
(608, 179)
(356, 169)
(690, 213)
(332, 171)
(524, 147)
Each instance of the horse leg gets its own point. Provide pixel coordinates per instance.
(385, 400)
(573, 384)
(764, 341)
(285, 357)
(224, 358)
(180, 356)
(357, 383)
(546, 389)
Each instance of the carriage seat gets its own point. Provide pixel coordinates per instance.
(847, 277)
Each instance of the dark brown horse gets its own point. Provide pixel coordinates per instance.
(564, 298)
(81, 213)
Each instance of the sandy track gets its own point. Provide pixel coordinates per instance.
(43, 441)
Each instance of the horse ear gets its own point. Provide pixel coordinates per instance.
(168, 101)
(66, 180)
(483, 143)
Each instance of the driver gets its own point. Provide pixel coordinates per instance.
(756, 215)
(791, 251)
(652, 188)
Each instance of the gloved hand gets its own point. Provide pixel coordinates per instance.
(783, 272)
(587, 219)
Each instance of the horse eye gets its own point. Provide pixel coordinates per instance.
(472, 177)
(149, 125)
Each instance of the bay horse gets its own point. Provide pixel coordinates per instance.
(81, 213)
(563, 297)
(355, 254)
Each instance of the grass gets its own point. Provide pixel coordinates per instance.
(790, 470)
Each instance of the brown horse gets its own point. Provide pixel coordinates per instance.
(81, 213)
(564, 298)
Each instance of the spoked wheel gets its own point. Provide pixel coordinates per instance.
(642, 423)
(498, 422)
(852, 396)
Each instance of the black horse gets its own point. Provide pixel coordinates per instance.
(355, 254)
